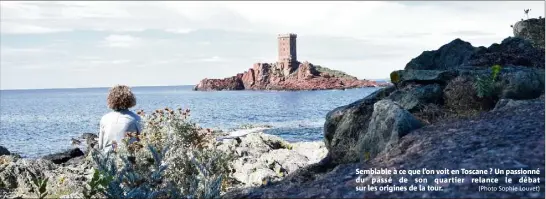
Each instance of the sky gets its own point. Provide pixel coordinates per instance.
(99, 44)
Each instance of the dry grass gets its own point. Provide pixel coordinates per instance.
(460, 96)
(6, 159)
(431, 113)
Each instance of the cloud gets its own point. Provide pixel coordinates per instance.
(19, 28)
(471, 33)
(179, 30)
(162, 62)
(121, 41)
(349, 19)
(9, 50)
(110, 62)
(211, 59)
(183, 42)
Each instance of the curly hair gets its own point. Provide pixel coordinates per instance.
(120, 97)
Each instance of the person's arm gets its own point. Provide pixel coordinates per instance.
(137, 128)
(101, 136)
(138, 124)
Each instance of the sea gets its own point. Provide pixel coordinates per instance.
(34, 123)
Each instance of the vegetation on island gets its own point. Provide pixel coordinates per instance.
(335, 73)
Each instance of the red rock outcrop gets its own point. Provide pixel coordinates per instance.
(283, 76)
(230, 83)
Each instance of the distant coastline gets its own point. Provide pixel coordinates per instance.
(101, 87)
(191, 86)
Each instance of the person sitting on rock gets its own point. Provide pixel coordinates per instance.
(115, 125)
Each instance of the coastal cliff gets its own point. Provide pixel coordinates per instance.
(281, 76)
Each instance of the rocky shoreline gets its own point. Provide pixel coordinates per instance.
(260, 159)
(507, 138)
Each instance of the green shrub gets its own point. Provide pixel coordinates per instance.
(39, 184)
(128, 182)
(172, 158)
(97, 184)
(486, 86)
(334, 73)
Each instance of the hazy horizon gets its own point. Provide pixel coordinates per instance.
(142, 86)
(49, 45)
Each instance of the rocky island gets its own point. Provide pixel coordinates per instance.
(286, 74)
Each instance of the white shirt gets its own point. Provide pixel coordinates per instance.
(114, 125)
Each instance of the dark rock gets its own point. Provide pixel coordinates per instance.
(521, 83)
(412, 98)
(514, 82)
(59, 158)
(402, 77)
(388, 123)
(505, 104)
(90, 140)
(345, 124)
(86, 136)
(448, 56)
(532, 30)
(512, 51)
(4, 151)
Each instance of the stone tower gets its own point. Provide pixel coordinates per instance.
(287, 48)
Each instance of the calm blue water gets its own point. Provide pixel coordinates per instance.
(39, 122)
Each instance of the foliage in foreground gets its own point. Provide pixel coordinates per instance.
(486, 86)
(39, 184)
(466, 95)
(171, 158)
(460, 96)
